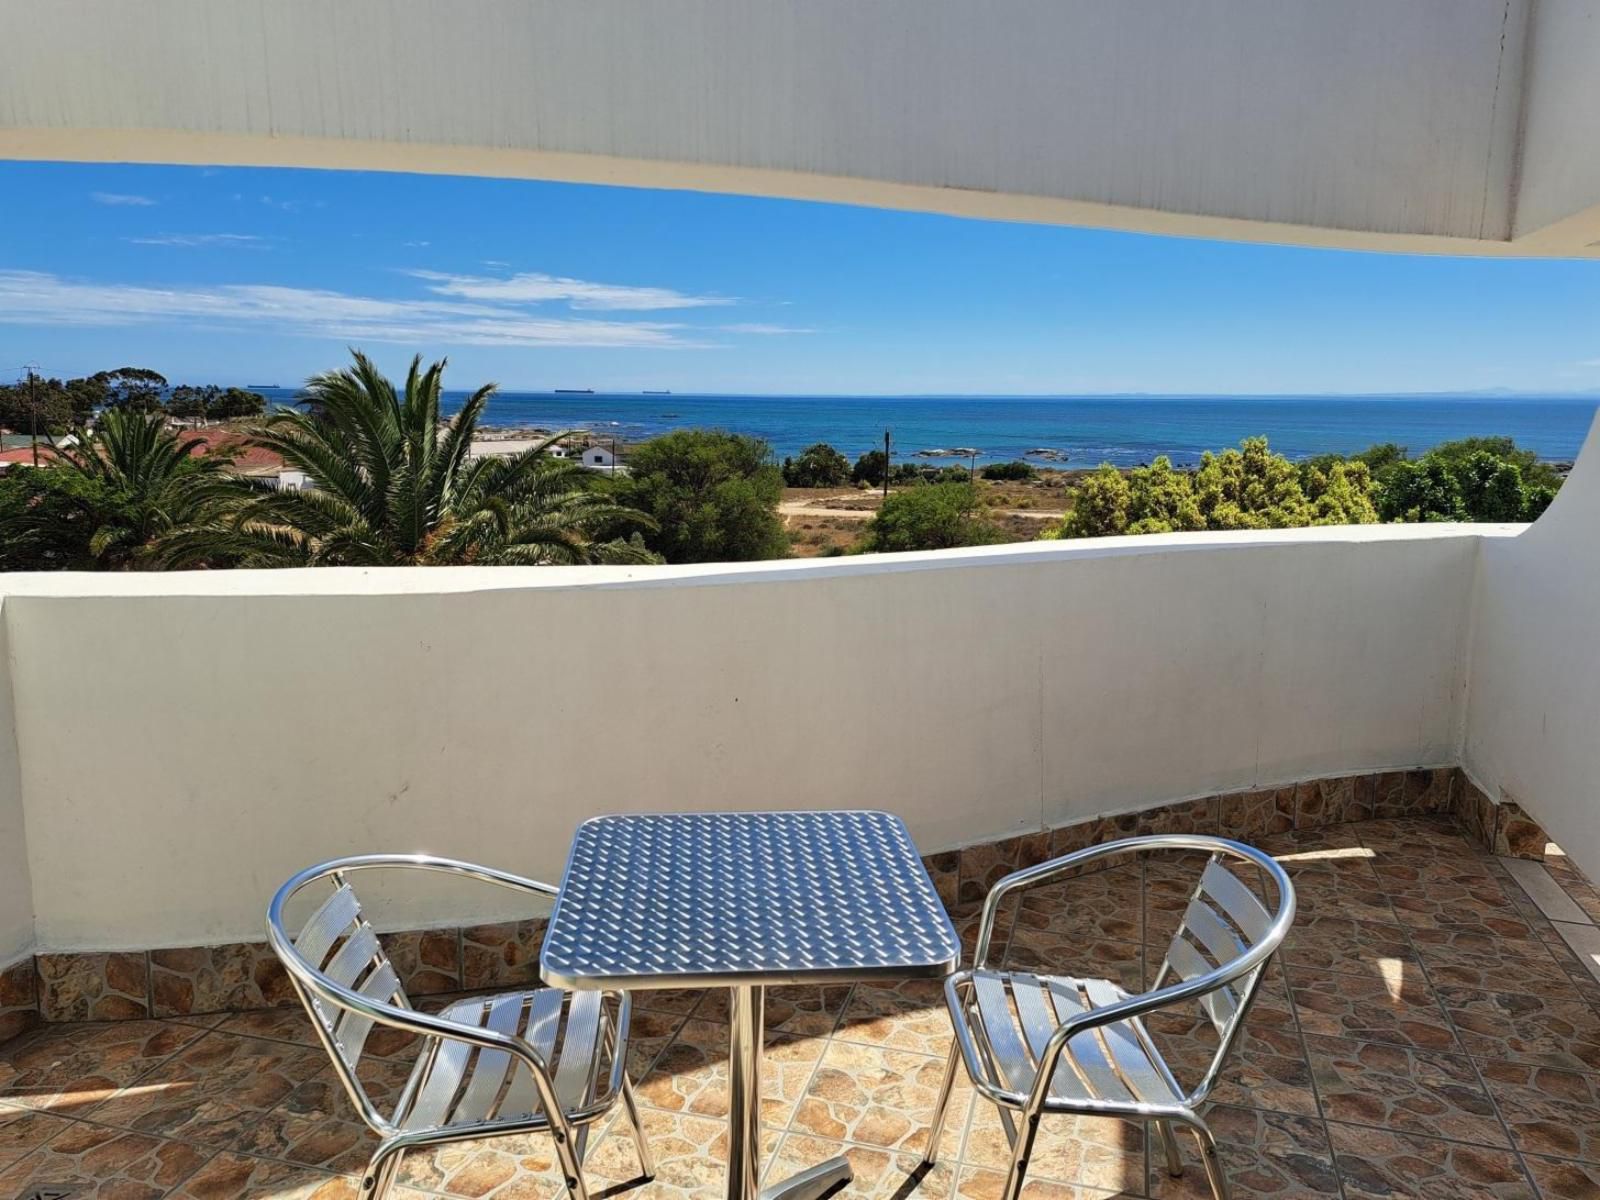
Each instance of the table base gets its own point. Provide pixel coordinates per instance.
(813, 1183)
(745, 1037)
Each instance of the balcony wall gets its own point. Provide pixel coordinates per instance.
(16, 886)
(187, 741)
(1533, 722)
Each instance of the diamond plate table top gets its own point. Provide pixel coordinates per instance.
(658, 900)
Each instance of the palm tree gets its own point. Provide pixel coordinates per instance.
(136, 485)
(394, 487)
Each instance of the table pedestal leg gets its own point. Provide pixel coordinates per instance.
(745, 1037)
(744, 1090)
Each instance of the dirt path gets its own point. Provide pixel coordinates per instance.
(807, 508)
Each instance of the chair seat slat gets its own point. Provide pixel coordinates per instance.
(444, 1074)
(503, 1015)
(1000, 1031)
(331, 919)
(1129, 1057)
(1237, 901)
(544, 1019)
(1096, 1077)
(579, 1050)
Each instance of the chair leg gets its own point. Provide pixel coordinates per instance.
(1169, 1143)
(1027, 1130)
(569, 1151)
(1213, 1163)
(647, 1162)
(941, 1106)
(382, 1168)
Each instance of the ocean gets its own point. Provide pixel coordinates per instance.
(1079, 431)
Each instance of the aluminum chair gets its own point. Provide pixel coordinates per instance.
(517, 1062)
(1039, 1044)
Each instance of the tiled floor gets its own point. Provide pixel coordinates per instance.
(1429, 1032)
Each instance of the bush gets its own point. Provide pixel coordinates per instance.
(818, 466)
(912, 473)
(870, 468)
(937, 517)
(714, 496)
(1474, 479)
(1246, 488)
(1016, 471)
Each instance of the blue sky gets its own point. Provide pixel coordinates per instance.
(265, 276)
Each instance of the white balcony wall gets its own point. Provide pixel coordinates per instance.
(16, 885)
(187, 741)
(1533, 720)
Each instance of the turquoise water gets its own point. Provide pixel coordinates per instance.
(1087, 430)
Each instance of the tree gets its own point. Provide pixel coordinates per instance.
(1474, 479)
(940, 516)
(1017, 471)
(713, 496)
(1250, 488)
(870, 469)
(1244, 488)
(47, 519)
(240, 402)
(120, 495)
(44, 404)
(818, 466)
(395, 488)
(1101, 507)
(212, 401)
(1341, 494)
(187, 401)
(138, 388)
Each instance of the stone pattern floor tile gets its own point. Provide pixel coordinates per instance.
(1426, 1033)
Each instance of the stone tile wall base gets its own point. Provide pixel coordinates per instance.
(19, 998)
(242, 976)
(1504, 828)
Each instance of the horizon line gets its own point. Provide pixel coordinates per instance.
(1592, 394)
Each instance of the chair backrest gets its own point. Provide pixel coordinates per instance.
(338, 946)
(1223, 922)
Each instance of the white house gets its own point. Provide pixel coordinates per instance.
(599, 458)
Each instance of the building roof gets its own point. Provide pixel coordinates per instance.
(248, 458)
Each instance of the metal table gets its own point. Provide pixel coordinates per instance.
(743, 901)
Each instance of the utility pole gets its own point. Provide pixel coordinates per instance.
(33, 410)
(972, 468)
(885, 464)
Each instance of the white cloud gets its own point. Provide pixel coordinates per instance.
(39, 298)
(762, 328)
(290, 206)
(1590, 362)
(122, 198)
(196, 239)
(535, 288)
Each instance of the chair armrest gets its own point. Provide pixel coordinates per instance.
(451, 866)
(1047, 872)
(1145, 1002)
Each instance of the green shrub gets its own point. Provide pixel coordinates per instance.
(1016, 471)
(818, 466)
(713, 495)
(940, 516)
